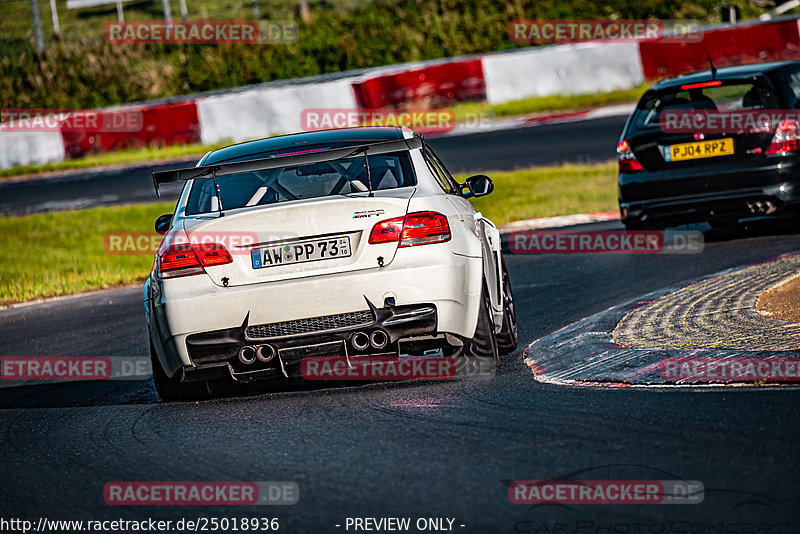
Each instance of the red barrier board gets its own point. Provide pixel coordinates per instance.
(427, 87)
(752, 43)
(161, 125)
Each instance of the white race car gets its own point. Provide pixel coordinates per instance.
(354, 243)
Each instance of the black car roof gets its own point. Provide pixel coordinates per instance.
(726, 73)
(297, 142)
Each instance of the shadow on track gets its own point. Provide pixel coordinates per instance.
(133, 392)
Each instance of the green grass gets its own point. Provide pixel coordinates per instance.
(550, 103)
(549, 191)
(140, 155)
(63, 252)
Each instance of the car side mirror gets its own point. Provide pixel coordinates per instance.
(163, 223)
(477, 186)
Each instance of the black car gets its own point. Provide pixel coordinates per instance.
(673, 172)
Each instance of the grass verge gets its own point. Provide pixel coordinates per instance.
(63, 252)
(538, 104)
(549, 191)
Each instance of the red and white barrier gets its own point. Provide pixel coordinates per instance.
(433, 85)
(30, 148)
(158, 125)
(275, 108)
(265, 111)
(561, 69)
(732, 45)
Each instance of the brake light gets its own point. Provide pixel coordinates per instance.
(423, 228)
(186, 259)
(627, 160)
(211, 254)
(700, 85)
(786, 139)
(387, 231)
(419, 228)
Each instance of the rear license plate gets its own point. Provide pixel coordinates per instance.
(318, 249)
(702, 149)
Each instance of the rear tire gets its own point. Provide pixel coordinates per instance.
(171, 389)
(508, 338)
(480, 354)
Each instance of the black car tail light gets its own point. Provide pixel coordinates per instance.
(786, 139)
(627, 160)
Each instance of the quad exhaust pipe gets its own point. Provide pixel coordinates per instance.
(377, 340)
(360, 341)
(762, 208)
(263, 353)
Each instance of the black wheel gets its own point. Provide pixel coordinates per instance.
(508, 337)
(480, 354)
(171, 388)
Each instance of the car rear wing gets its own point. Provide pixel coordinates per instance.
(283, 160)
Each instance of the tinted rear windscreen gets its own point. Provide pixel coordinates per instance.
(329, 178)
(725, 97)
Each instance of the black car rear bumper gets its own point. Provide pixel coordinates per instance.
(769, 186)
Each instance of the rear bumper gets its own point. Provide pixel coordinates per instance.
(216, 354)
(192, 321)
(767, 187)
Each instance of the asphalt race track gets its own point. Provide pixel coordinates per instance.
(436, 449)
(570, 142)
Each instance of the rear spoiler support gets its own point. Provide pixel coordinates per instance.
(289, 160)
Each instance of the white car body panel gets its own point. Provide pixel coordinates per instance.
(449, 275)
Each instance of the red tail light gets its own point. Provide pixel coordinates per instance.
(627, 160)
(186, 259)
(424, 227)
(420, 228)
(387, 231)
(786, 139)
(211, 254)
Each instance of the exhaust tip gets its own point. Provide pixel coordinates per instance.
(378, 339)
(265, 353)
(247, 355)
(360, 341)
